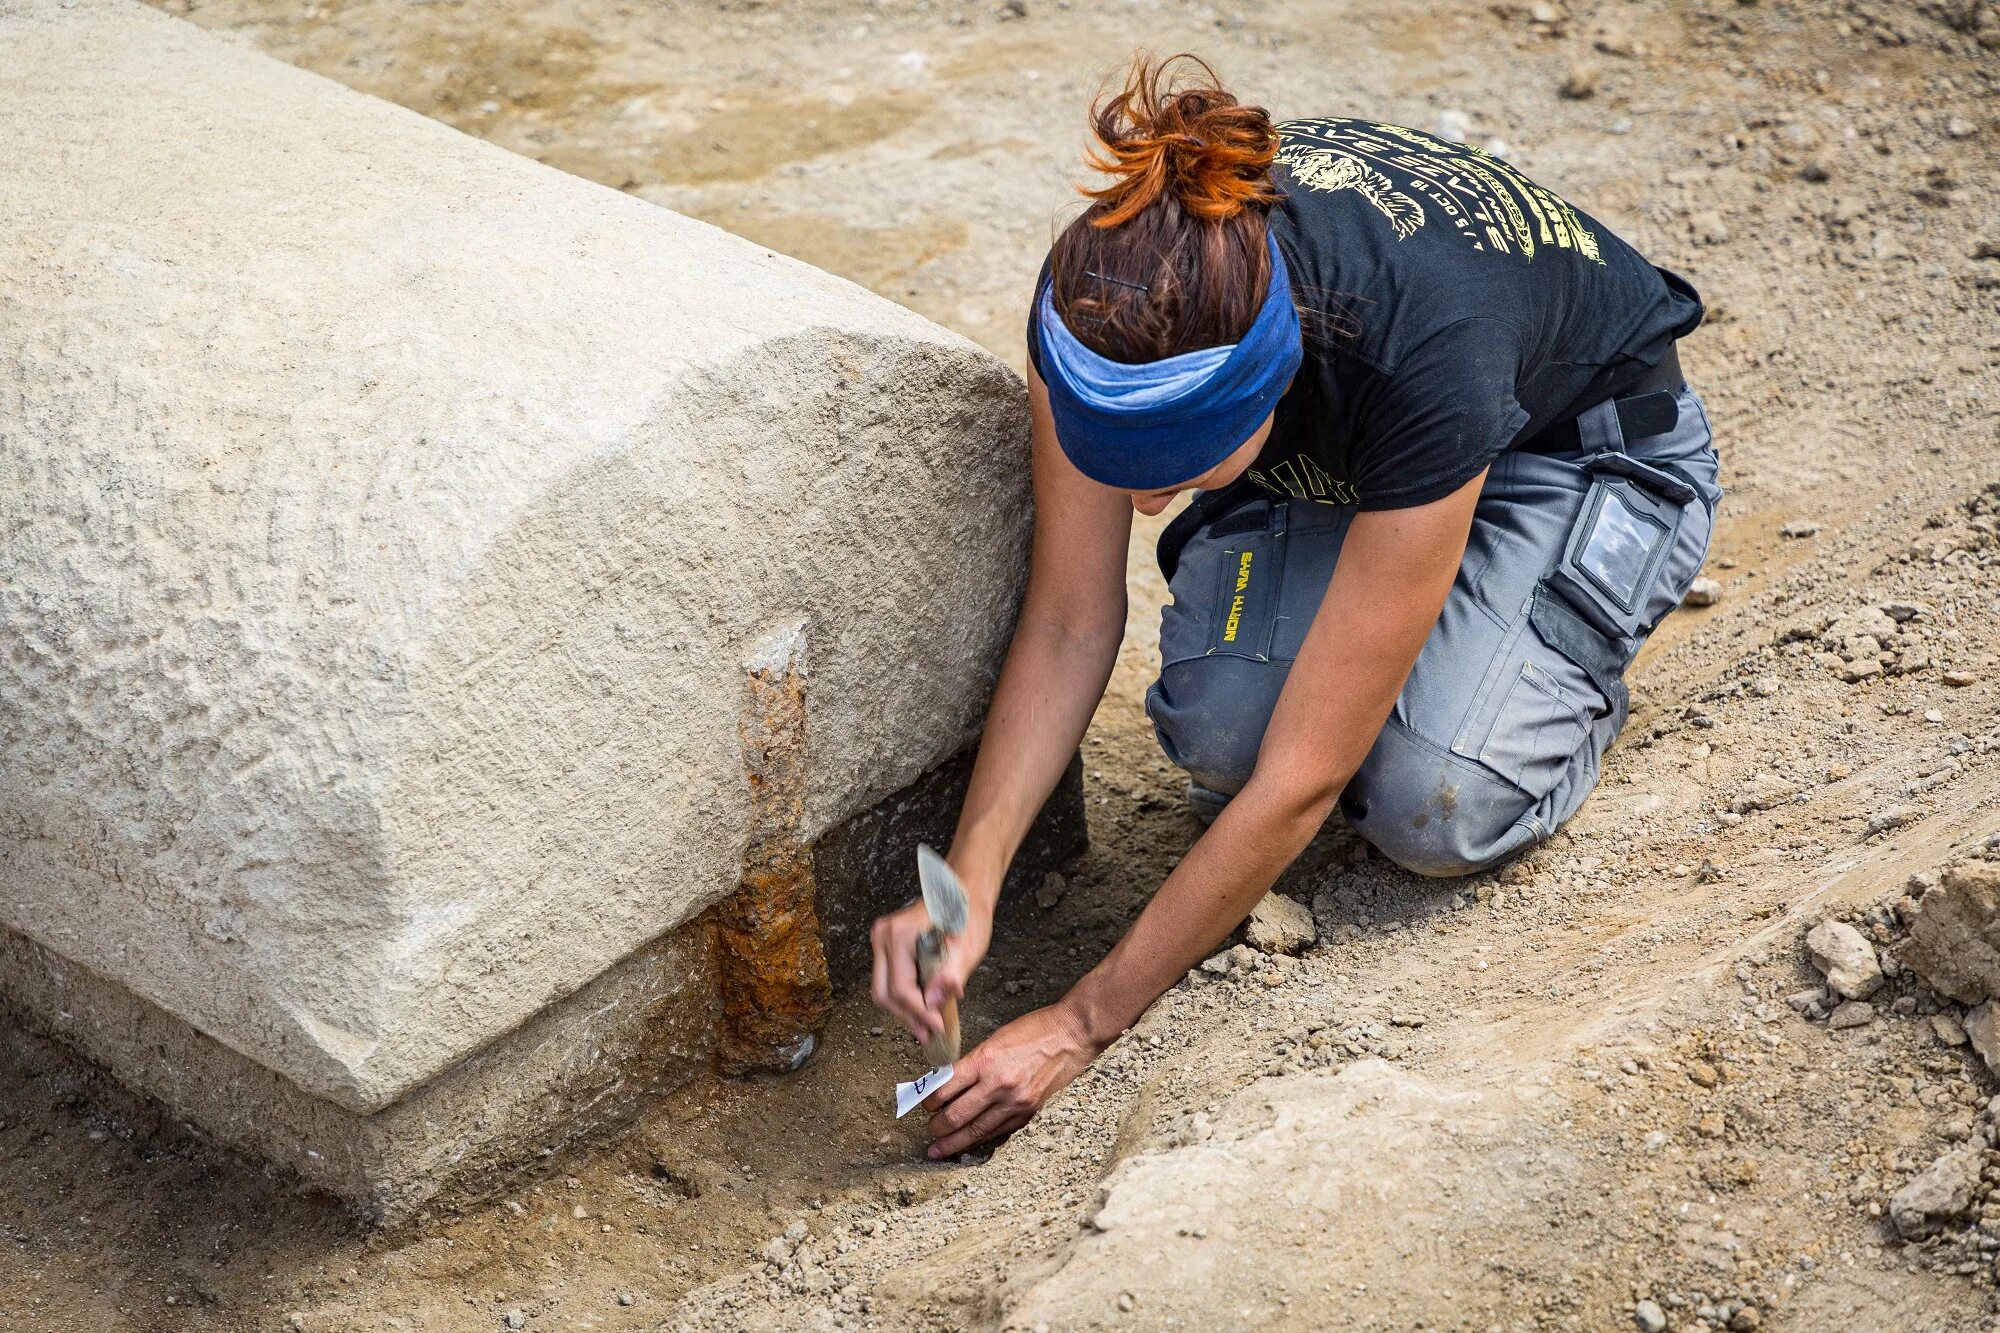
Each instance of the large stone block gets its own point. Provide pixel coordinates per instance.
(391, 525)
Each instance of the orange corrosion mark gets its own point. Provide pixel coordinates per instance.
(770, 966)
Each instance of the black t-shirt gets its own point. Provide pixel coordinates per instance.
(1450, 308)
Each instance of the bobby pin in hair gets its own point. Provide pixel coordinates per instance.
(1106, 277)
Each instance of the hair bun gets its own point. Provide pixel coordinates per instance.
(1173, 131)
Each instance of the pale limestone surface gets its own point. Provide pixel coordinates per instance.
(1284, 1212)
(386, 520)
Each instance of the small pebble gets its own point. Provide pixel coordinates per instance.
(1580, 83)
(1948, 1030)
(1702, 592)
(1649, 1317)
(1799, 527)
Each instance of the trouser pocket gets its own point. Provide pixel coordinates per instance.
(1532, 712)
(1536, 731)
(1242, 608)
(1623, 534)
(1643, 527)
(1246, 583)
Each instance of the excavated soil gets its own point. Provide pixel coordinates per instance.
(1530, 1100)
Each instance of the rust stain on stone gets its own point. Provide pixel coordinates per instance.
(771, 972)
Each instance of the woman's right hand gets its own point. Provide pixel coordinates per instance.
(1065, 644)
(895, 936)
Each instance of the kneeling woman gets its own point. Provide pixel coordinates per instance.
(1448, 478)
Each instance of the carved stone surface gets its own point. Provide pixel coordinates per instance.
(388, 520)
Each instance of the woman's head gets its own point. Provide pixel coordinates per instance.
(1166, 330)
(1170, 256)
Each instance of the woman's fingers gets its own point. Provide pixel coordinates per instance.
(878, 976)
(905, 993)
(964, 1076)
(947, 983)
(902, 974)
(979, 1098)
(894, 975)
(962, 954)
(995, 1120)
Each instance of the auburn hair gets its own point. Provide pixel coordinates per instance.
(1170, 255)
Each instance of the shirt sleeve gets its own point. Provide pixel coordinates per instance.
(1441, 417)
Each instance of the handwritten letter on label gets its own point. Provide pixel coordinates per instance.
(909, 1094)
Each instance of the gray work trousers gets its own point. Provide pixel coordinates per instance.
(1500, 729)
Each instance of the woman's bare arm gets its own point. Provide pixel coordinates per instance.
(1389, 585)
(1065, 644)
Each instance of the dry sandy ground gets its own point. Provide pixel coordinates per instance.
(1527, 1101)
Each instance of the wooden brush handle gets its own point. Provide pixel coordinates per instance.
(943, 1048)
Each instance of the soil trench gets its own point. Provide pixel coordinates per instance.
(1571, 1094)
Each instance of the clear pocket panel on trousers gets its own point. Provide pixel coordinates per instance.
(1614, 552)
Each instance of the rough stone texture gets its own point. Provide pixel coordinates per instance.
(1318, 1159)
(578, 1071)
(1982, 1029)
(1278, 924)
(1955, 935)
(1941, 1193)
(388, 520)
(1848, 961)
(569, 1075)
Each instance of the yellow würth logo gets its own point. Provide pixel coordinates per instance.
(1235, 621)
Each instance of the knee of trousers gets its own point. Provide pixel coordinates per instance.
(1210, 714)
(1433, 813)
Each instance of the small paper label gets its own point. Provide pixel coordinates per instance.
(909, 1094)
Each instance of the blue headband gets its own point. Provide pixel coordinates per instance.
(1157, 424)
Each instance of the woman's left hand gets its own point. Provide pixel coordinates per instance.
(999, 1087)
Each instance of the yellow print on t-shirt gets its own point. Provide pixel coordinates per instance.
(1302, 479)
(1400, 171)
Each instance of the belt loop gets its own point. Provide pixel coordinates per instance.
(1280, 515)
(1598, 430)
